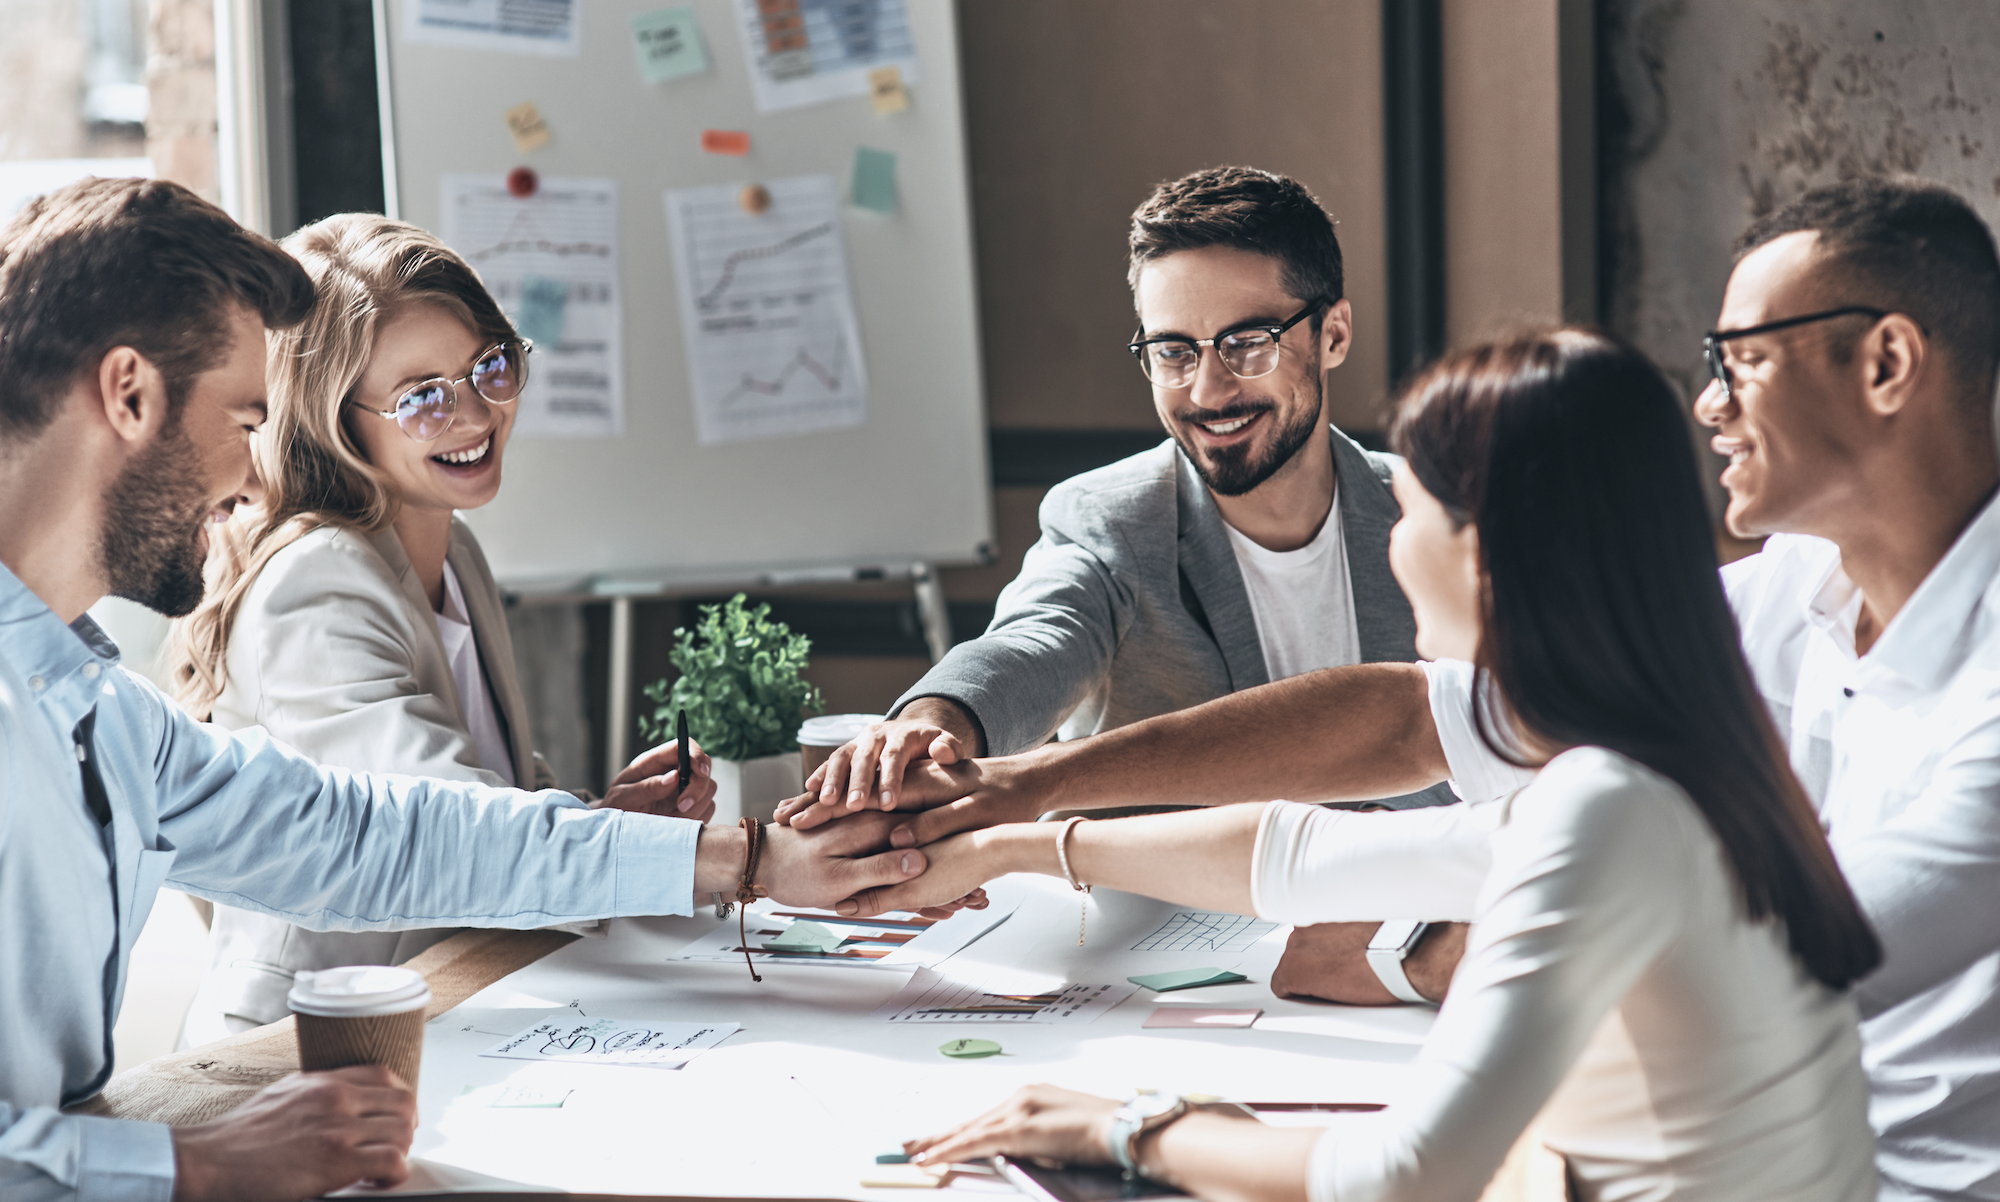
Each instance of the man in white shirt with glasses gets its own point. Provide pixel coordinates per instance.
(1854, 372)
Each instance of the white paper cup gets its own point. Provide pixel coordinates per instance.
(818, 737)
(365, 1014)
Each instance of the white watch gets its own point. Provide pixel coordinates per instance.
(1392, 944)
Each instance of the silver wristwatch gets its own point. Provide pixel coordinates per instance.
(1392, 945)
(1141, 1113)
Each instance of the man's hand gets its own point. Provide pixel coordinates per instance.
(308, 1135)
(808, 868)
(1329, 961)
(868, 770)
(647, 785)
(965, 796)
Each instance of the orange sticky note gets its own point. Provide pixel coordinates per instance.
(725, 141)
(886, 90)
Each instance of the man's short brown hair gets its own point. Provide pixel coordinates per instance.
(1244, 209)
(127, 262)
(1910, 246)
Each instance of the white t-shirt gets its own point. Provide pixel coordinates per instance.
(1611, 984)
(1303, 600)
(1900, 751)
(475, 700)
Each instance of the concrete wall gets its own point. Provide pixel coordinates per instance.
(1718, 110)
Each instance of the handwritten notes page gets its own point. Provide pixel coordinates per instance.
(569, 1036)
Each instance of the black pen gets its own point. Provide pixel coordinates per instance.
(684, 765)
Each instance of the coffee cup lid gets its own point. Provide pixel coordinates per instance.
(831, 730)
(358, 990)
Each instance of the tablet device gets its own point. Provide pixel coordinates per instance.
(1079, 1183)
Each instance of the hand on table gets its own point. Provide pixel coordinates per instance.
(308, 1135)
(1329, 961)
(647, 785)
(867, 772)
(1039, 1120)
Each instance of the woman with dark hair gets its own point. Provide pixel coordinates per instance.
(1660, 939)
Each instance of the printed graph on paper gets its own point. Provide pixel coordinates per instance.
(931, 997)
(1205, 931)
(768, 310)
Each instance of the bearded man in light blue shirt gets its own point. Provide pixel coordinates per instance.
(132, 318)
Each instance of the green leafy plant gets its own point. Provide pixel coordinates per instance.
(739, 683)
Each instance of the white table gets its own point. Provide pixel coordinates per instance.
(801, 1100)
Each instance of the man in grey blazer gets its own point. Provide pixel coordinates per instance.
(1250, 546)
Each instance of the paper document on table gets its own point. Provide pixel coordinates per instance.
(931, 997)
(810, 51)
(768, 311)
(551, 260)
(568, 1036)
(1205, 931)
(516, 26)
(897, 939)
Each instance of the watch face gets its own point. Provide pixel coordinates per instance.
(1147, 1105)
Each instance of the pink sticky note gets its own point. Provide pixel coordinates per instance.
(725, 141)
(1199, 1017)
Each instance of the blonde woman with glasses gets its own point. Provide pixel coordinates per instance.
(349, 612)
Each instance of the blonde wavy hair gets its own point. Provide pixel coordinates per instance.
(365, 268)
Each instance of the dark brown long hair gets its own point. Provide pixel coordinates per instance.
(1605, 621)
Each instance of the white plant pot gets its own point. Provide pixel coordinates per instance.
(753, 788)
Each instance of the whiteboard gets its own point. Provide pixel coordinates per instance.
(652, 506)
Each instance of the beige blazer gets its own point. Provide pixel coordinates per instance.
(336, 652)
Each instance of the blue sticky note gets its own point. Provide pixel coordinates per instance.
(874, 180)
(1186, 978)
(669, 44)
(544, 305)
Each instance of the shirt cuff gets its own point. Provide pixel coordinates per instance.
(1476, 773)
(124, 1161)
(655, 865)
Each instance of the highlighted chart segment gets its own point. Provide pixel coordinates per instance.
(933, 998)
(768, 310)
(1205, 931)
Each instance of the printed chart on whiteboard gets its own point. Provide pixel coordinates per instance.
(551, 260)
(810, 51)
(510, 26)
(1205, 931)
(768, 310)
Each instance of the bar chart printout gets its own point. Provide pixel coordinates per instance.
(933, 998)
(768, 311)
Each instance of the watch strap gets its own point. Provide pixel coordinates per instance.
(1388, 966)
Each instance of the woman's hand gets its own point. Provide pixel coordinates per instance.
(957, 867)
(647, 785)
(1040, 1120)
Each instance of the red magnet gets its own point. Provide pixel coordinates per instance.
(522, 182)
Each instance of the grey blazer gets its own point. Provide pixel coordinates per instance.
(1132, 605)
(336, 652)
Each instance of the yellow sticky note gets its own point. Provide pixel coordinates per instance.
(886, 90)
(525, 122)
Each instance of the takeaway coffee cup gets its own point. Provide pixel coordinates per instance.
(366, 1014)
(820, 736)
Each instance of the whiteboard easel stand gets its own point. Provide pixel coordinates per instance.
(933, 613)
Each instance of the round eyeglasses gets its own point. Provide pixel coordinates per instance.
(426, 409)
(1249, 350)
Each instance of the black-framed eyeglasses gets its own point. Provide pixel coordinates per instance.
(1249, 350)
(426, 409)
(1711, 342)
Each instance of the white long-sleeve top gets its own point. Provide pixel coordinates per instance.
(1682, 1053)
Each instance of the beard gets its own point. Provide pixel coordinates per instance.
(1233, 471)
(151, 541)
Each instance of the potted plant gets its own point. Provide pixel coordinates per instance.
(740, 685)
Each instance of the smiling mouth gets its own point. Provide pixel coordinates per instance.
(466, 457)
(1224, 427)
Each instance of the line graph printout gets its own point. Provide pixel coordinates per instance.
(551, 261)
(931, 997)
(768, 309)
(1205, 931)
(810, 51)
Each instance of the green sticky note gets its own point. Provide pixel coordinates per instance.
(543, 311)
(669, 44)
(805, 936)
(970, 1049)
(874, 180)
(892, 1158)
(1186, 978)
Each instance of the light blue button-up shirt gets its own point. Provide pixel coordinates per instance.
(243, 820)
